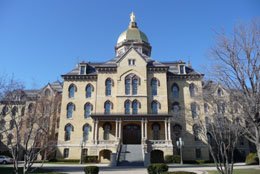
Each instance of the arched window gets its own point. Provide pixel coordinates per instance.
(156, 131)
(155, 106)
(72, 90)
(14, 111)
(2, 124)
(195, 128)
(47, 93)
(135, 86)
(108, 86)
(68, 129)
(88, 108)
(89, 89)
(134, 81)
(30, 107)
(107, 128)
(177, 129)
(9, 139)
(86, 129)
(206, 108)
(12, 123)
(127, 106)
(175, 91)
(220, 93)
(127, 86)
(207, 122)
(22, 111)
(219, 108)
(194, 109)
(192, 89)
(70, 109)
(176, 109)
(155, 83)
(135, 106)
(108, 106)
(5, 110)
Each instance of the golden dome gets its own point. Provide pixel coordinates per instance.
(132, 33)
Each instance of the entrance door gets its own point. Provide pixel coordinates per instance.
(132, 134)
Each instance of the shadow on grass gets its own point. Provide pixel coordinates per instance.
(10, 170)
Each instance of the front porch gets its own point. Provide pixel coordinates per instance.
(152, 132)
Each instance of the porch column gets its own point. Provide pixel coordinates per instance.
(142, 130)
(169, 130)
(93, 133)
(120, 128)
(165, 126)
(145, 129)
(96, 132)
(116, 129)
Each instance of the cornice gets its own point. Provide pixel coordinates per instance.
(79, 77)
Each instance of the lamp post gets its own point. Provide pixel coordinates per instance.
(81, 146)
(180, 143)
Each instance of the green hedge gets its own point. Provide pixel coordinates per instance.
(252, 159)
(157, 168)
(64, 160)
(172, 159)
(90, 159)
(91, 170)
(179, 172)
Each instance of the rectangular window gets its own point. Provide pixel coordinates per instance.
(133, 62)
(129, 61)
(82, 70)
(66, 153)
(198, 153)
(181, 69)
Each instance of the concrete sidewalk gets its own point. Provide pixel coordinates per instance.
(105, 169)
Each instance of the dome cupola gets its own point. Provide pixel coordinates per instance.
(133, 37)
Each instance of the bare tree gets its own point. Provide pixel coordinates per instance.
(236, 59)
(27, 132)
(219, 129)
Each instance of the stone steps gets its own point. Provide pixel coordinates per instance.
(131, 155)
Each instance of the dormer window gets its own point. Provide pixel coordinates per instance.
(181, 69)
(82, 70)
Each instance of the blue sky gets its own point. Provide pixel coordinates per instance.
(42, 39)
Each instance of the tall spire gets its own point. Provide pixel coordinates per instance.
(132, 22)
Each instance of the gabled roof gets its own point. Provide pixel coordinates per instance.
(57, 86)
(147, 59)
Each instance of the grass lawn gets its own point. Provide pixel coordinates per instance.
(240, 171)
(9, 170)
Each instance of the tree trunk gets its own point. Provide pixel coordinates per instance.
(258, 153)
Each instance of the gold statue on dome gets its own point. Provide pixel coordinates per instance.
(132, 17)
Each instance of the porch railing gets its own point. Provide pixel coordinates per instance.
(158, 142)
(107, 142)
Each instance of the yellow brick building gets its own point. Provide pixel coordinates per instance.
(130, 100)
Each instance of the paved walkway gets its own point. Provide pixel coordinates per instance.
(105, 169)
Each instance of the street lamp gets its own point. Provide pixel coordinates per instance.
(81, 145)
(180, 143)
